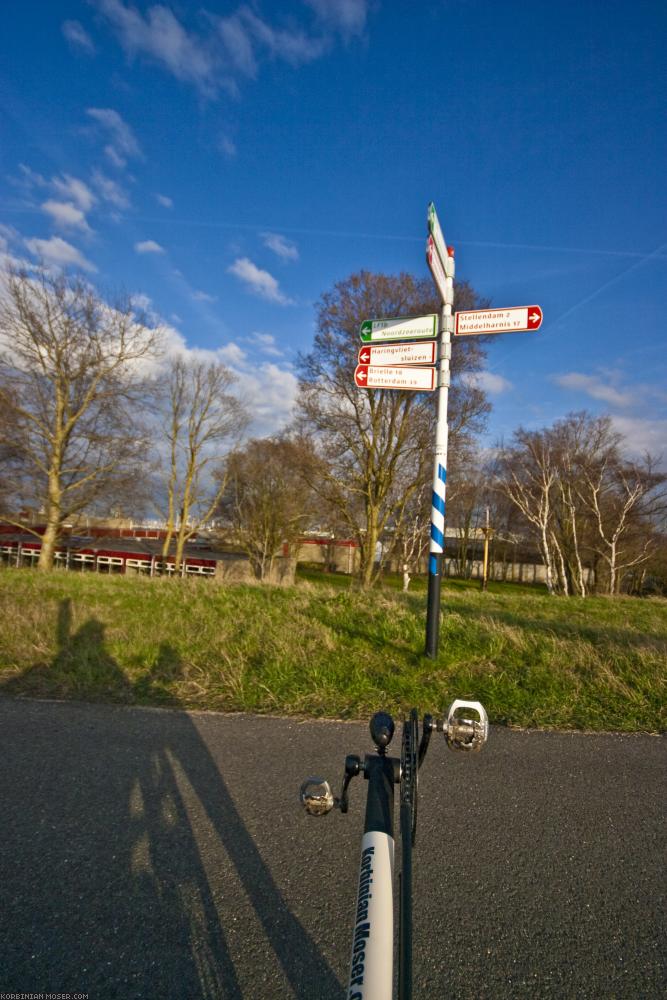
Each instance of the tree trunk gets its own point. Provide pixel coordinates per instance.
(49, 539)
(561, 566)
(178, 553)
(613, 583)
(368, 563)
(547, 560)
(53, 521)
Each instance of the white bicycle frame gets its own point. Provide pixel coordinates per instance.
(371, 975)
(371, 962)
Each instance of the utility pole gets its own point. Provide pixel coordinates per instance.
(488, 533)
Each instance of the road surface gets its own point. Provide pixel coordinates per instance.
(162, 854)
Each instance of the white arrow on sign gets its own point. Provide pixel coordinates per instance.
(397, 377)
(398, 354)
(516, 319)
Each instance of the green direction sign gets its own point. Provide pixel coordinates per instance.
(419, 328)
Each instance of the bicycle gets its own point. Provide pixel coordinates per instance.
(371, 972)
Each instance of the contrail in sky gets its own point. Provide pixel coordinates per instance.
(607, 284)
(342, 234)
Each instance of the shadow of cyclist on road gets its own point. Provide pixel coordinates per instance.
(136, 874)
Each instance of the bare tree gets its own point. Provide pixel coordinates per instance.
(623, 498)
(588, 506)
(72, 383)
(528, 477)
(411, 540)
(466, 504)
(266, 501)
(201, 418)
(376, 446)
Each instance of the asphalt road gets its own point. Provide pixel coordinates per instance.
(162, 854)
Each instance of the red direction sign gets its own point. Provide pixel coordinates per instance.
(516, 319)
(395, 377)
(398, 354)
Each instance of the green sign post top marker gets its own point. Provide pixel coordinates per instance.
(415, 328)
(438, 238)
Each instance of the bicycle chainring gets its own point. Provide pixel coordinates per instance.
(409, 768)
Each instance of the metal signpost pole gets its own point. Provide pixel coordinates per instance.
(440, 258)
(437, 544)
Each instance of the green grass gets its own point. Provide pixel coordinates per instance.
(322, 648)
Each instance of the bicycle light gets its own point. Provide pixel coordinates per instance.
(463, 733)
(316, 796)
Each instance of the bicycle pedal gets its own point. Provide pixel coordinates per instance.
(316, 796)
(464, 733)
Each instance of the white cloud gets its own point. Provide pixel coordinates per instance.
(237, 44)
(488, 382)
(226, 146)
(110, 191)
(148, 246)
(594, 387)
(200, 296)
(270, 392)
(239, 41)
(9, 238)
(123, 142)
(162, 37)
(346, 16)
(78, 37)
(118, 161)
(73, 189)
(281, 246)
(642, 435)
(66, 215)
(30, 177)
(7, 235)
(59, 252)
(295, 47)
(163, 200)
(266, 342)
(66, 187)
(232, 354)
(141, 301)
(258, 281)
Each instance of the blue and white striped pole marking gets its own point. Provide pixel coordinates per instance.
(437, 545)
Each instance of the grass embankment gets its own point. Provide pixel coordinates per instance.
(317, 649)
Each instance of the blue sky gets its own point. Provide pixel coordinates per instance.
(228, 163)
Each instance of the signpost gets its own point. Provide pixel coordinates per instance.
(395, 377)
(403, 366)
(440, 259)
(516, 319)
(399, 329)
(398, 354)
